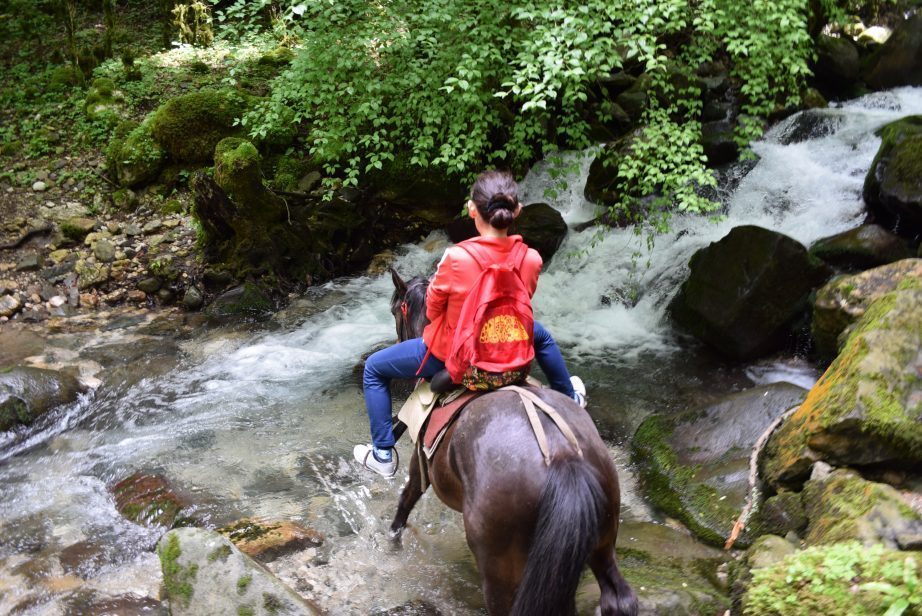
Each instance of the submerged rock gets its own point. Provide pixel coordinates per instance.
(267, 540)
(746, 291)
(27, 393)
(695, 467)
(893, 185)
(867, 407)
(845, 299)
(204, 573)
(861, 248)
(148, 499)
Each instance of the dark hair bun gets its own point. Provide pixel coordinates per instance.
(495, 194)
(501, 210)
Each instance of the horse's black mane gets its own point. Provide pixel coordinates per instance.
(415, 298)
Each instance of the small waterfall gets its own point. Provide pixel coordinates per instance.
(807, 184)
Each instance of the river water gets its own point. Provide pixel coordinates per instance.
(260, 420)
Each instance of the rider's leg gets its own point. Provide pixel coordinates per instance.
(401, 360)
(551, 361)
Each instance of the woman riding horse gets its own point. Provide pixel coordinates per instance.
(493, 205)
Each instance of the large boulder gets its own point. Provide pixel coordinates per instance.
(27, 393)
(861, 248)
(842, 579)
(867, 407)
(844, 300)
(893, 185)
(430, 194)
(837, 65)
(204, 573)
(189, 127)
(745, 292)
(541, 227)
(695, 467)
(898, 62)
(845, 507)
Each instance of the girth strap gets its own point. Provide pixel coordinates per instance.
(530, 401)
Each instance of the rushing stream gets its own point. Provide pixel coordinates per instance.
(261, 420)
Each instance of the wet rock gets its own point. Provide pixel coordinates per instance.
(122, 605)
(745, 292)
(150, 285)
(893, 185)
(380, 263)
(810, 124)
(193, 298)
(542, 227)
(765, 551)
(77, 228)
(861, 248)
(670, 572)
(27, 393)
(898, 62)
(267, 540)
(844, 300)
(694, 467)
(837, 64)
(17, 344)
(204, 573)
(247, 300)
(148, 500)
(866, 408)
(717, 139)
(845, 507)
(82, 558)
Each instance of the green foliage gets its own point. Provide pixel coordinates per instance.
(193, 20)
(838, 580)
(460, 86)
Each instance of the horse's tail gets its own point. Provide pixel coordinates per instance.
(570, 516)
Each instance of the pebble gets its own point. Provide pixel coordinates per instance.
(136, 295)
(39, 186)
(57, 301)
(9, 304)
(8, 286)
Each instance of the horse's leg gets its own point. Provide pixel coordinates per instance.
(408, 498)
(617, 597)
(500, 562)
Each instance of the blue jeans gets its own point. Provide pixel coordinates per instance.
(402, 360)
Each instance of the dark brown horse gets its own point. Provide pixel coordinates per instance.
(531, 527)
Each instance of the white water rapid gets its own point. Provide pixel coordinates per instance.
(262, 421)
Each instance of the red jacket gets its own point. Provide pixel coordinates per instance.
(455, 276)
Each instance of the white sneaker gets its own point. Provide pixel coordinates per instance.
(579, 391)
(364, 455)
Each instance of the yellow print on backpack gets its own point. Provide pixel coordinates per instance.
(503, 328)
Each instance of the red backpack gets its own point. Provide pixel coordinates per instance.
(493, 344)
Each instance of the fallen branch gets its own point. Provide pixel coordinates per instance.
(753, 495)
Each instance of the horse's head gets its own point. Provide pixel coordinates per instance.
(408, 305)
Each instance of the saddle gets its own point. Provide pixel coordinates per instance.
(434, 406)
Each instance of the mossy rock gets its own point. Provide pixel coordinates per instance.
(845, 507)
(780, 514)
(694, 466)
(247, 300)
(843, 579)
(189, 127)
(279, 57)
(133, 156)
(77, 228)
(102, 98)
(898, 62)
(266, 540)
(867, 407)
(861, 248)
(11, 148)
(844, 300)
(893, 185)
(293, 174)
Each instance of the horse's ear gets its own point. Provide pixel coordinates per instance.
(400, 285)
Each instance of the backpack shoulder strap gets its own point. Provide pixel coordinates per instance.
(518, 256)
(476, 253)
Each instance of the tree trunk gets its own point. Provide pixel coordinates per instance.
(108, 8)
